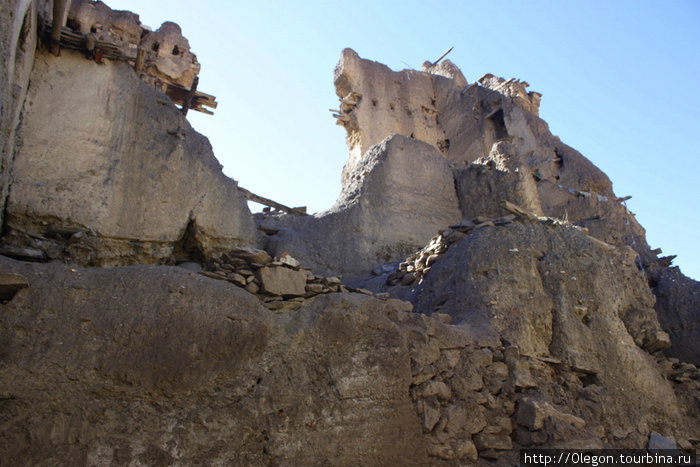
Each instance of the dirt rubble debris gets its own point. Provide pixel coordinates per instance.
(280, 283)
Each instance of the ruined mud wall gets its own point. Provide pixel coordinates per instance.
(99, 167)
(487, 134)
(464, 121)
(392, 201)
(502, 151)
(523, 331)
(108, 171)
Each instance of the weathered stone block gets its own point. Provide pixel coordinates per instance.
(496, 441)
(434, 388)
(282, 281)
(252, 255)
(495, 375)
(531, 413)
(431, 413)
(469, 418)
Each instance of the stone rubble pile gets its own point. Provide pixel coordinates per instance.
(415, 267)
(685, 379)
(280, 282)
(463, 415)
(681, 372)
(479, 401)
(418, 264)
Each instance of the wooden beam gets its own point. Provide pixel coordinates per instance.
(178, 95)
(268, 202)
(443, 56)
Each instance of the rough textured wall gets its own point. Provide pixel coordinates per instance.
(380, 102)
(18, 40)
(167, 56)
(394, 199)
(110, 165)
(122, 27)
(157, 365)
(160, 366)
(678, 306)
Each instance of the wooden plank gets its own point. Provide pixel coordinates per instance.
(178, 95)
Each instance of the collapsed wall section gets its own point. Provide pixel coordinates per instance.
(393, 200)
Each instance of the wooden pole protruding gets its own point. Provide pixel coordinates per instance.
(443, 56)
(59, 17)
(190, 95)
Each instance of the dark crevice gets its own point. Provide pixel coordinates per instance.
(588, 379)
(73, 24)
(558, 159)
(7, 172)
(458, 194)
(188, 247)
(497, 124)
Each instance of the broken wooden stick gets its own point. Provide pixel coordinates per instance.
(443, 56)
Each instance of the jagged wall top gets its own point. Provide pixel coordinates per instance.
(167, 53)
(431, 105)
(473, 125)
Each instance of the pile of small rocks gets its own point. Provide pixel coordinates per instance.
(680, 372)
(416, 266)
(280, 283)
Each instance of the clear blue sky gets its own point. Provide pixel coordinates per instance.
(619, 80)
